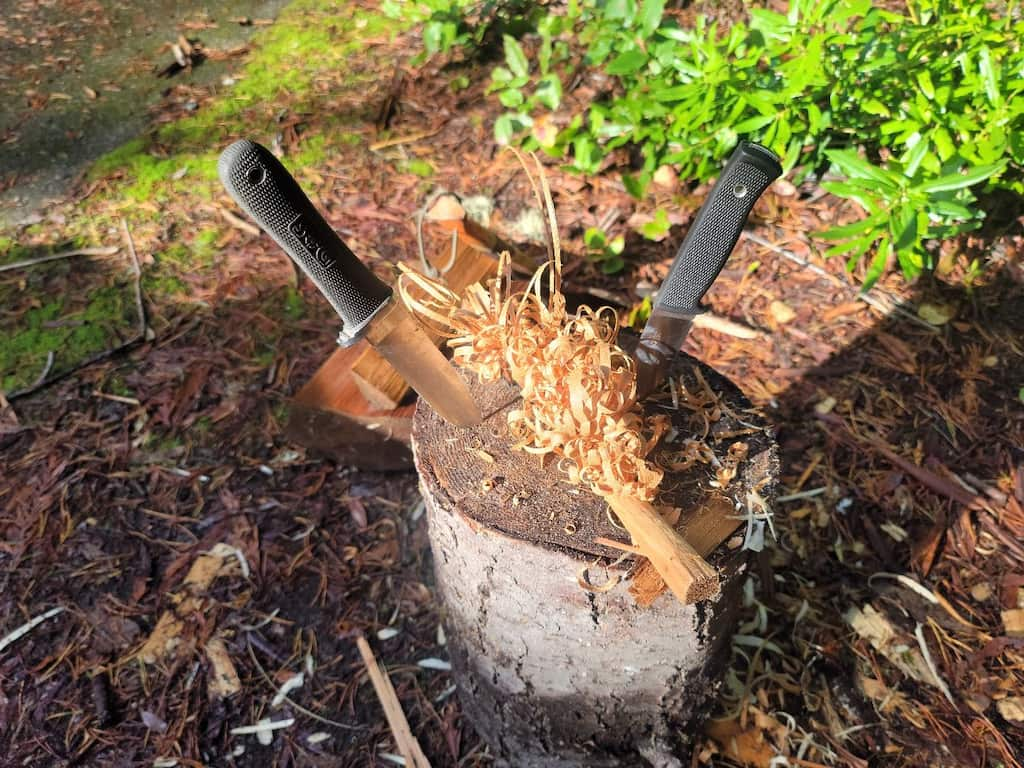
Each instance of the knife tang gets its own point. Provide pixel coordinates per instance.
(265, 190)
(716, 228)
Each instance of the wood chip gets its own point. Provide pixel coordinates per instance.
(1013, 622)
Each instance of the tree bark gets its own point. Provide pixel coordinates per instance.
(550, 674)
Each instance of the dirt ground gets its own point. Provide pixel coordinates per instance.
(878, 630)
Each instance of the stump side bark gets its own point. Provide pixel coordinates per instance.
(552, 675)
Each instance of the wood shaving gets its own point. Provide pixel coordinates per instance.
(578, 385)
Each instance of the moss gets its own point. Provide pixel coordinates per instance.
(11, 251)
(294, 304)
(420, 167)
(71, 336)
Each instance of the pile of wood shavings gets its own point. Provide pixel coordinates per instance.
(578, 386)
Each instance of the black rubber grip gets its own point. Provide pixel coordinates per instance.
(268, 193)
(716, 229)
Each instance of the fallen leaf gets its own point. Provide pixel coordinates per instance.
(1012, 708)
(936, 314)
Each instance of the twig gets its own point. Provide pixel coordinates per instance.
(414, 137)
(296, 706)
(803, 495)
(116, 398)
(407, 744)
(27, 627)
(713, 322)
(239, 223)
(140, 308)
(108, 251)
(927, 478)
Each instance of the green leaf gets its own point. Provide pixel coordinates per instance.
(511, 98)
(657, 229)
(635, 185)
(612, 265)
(616, 10)
(910, 262)
(924, 82)
(501, 76)
(989, 77)
(617, 245)
(903, 225)
(627, 63)
(753, 123)
(515, 58)
(857, 168)
(432, 37)
(504, 129)
(878, 265)
(549, 92)
(650, 16)
(875, 107)
(854, 228)
(912, 160)
(961, 181)
(594, 238)
(585, 156)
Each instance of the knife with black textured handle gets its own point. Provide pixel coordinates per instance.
(266, 191)
(707, 246)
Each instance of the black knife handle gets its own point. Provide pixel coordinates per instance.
(268, 193)
(717, 227)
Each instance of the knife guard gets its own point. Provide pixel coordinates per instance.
(265, 190)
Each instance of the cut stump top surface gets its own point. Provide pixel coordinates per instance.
(527, 497)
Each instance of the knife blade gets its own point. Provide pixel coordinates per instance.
(700, 258)
(367, 306)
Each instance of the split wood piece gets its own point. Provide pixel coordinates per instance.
(330, 416)
(552, 675)
(381, 385)
(406, 743)
(685, 572)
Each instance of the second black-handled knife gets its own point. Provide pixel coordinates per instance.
(265, 190)
(707, 246)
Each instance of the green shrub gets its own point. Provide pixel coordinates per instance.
(918, 109)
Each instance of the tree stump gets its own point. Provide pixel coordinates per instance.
(550, 674)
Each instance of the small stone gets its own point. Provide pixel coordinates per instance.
(784, 188)
(781, 312)
(666, 177)
(981, 591)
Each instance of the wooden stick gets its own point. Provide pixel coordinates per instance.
(109, 251)
(685, 572)
(406, 743)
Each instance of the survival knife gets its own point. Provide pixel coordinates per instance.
(368, 308)
(700, 258)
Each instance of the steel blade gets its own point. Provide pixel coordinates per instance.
(401, 340)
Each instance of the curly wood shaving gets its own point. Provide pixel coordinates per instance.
(578, 386)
